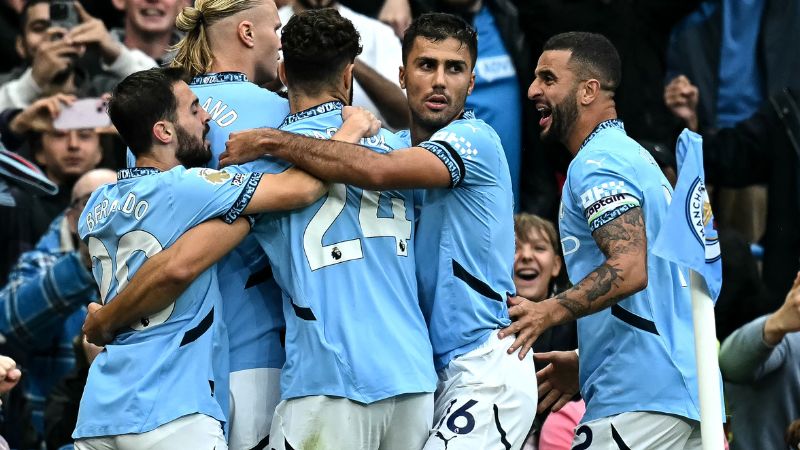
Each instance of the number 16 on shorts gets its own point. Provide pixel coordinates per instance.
(468, 424)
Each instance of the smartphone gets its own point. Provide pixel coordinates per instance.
(63, 14)
(84, 113)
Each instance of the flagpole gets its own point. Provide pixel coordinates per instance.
(705, 344)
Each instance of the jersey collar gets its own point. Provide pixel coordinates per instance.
(468, 114)
(219, 77)
(611, 123)
(313, 111)
(136, 172)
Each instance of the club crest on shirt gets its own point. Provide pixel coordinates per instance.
(214, 176)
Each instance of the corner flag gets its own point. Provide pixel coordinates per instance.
(687, 236)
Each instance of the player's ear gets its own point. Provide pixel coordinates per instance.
(282, 73)
(471, 83)
(119, 4)
(348, 76)
(245, 33)
(402, 76)
(590, 91)
(163, 131)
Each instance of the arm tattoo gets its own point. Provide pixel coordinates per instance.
(623, 237)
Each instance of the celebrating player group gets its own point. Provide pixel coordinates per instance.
(288, 275)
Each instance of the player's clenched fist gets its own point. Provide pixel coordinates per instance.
(94, 327)
(246, 146)
(358, 122)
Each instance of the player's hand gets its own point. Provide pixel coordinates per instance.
(97, 331)
(39, 116)
(396, 14)
(9, 374)
(358, 123)
(248, 145)
(93, 31)
(787, 318)
(681, 97)
(558, 381)
(529, 321)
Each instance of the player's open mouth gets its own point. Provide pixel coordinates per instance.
(527, 274)
(436, 102)
(546, 115)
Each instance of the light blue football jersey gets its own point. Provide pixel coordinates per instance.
(252, 298)
(637, 355)
(465, 239)
(354, 328)
(172, 363)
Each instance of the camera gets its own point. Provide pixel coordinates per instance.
(63, 14)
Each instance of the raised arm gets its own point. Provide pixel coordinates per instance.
(623, 241)
(341, 162)
(164, 277)
(758, 348)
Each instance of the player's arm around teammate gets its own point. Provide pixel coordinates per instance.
(165, 276)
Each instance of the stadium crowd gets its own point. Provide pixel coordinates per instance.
(361, 290)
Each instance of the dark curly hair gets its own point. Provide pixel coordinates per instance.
(142, 99)
(317, 46)
(437, 27)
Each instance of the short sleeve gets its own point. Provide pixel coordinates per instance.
(203, 194)
(606, 187)
(470, 151)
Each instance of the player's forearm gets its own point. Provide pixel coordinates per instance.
(387, 96)
(338, 162)
(608, 284)
(166, 275)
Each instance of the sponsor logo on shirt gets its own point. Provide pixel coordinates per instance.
(603, 190)
(459, 144)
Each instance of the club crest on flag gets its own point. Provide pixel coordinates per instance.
(701, 220)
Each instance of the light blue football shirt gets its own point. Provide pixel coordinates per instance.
(465, 239)
(637, 355)
(354, 328)
(252, 298)
(172, 363)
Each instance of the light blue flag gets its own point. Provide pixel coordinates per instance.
(687, 236)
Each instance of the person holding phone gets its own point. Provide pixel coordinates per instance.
(51, 53)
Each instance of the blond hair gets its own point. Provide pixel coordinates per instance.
(524, 223)
(193, 52)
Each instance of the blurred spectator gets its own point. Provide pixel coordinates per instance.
(43, 305)
(761, 362)
(51, 56)
(537, 273)
(150, 26)
(502, 74)
(18, 179)
(61, 412)
(762, 149)
(735, 52)
(9, 29)
(537, 270)
(377, 69)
